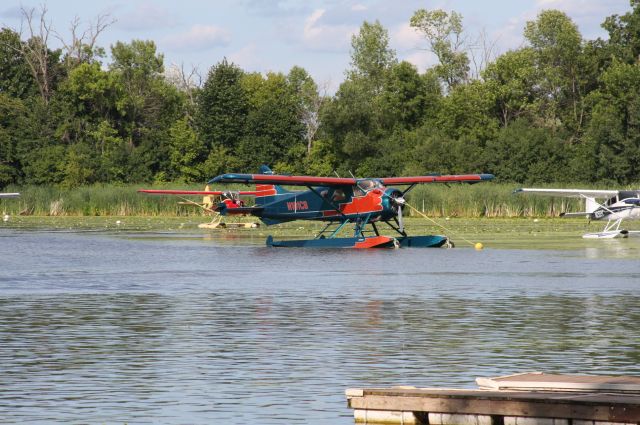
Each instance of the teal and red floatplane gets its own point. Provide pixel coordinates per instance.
(364, 203)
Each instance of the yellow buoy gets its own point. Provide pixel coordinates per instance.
(478, 246)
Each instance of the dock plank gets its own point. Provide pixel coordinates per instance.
(556, 382)
(622, 408)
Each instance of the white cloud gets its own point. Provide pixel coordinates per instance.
(422, 60)
(359, 7)
(404, 37)
(511, 35)
(146, 16)
(198, 37)
(248, 58)
(319, 36)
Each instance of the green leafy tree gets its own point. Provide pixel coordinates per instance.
(512, 78)
(371, 56)
(222, 108)
(309, 102)
(187, 153)
(274, 133)
(407, 97)
(80, 166)
(557, 46)
(149, 106)
(624, 33)
(15, 77)
(443, 32)
(523, 153)
(14, 125)
(138, 68)
(613, 133)
(467, 112)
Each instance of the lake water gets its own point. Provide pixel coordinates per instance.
(189, 328)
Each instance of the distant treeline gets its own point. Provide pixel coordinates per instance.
(560, 109)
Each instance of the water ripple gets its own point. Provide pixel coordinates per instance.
(104, 329)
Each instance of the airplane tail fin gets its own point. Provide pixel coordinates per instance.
(266, 193)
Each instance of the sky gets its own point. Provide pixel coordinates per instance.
(275, 35)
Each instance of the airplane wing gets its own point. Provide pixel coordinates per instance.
(462, 178)
(342, 181)
(9, 195)
(285, 180)
(570, 193)
(194, 192)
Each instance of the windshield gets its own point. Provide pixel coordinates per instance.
(368, 184)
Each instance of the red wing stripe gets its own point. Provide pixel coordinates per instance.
(302, 180)
(437, 179)
(193, 192)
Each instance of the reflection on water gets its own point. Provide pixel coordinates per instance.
(99, 328)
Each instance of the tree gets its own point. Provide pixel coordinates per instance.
(467, 113)
(15, 75)
(148, 106)
(614, 128)
(443, 32)
(186, 81)
(273, 132)
(83, 46)
(523, 153)
(371, 55)
(309, 101)
(512, 79)
(42, 62)
(557, 46)
(222, 107)
(14, 125)
(406, 97)
(138, 68)
(187, 153)
(349, 122)
(624, 34)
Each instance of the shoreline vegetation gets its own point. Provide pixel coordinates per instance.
(495, 200)
(561, 108)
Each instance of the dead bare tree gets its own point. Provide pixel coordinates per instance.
(185, 81)
(82, 47)
(35, 50)
(310, 112)
(482, 52)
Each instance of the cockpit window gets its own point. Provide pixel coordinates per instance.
(367, 185)
(611, 201)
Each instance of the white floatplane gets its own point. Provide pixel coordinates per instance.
(619, 205)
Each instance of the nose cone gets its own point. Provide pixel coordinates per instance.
(392, 200)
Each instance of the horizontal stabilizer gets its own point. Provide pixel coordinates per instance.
(9, 195)
(574, 214)
(255, 211)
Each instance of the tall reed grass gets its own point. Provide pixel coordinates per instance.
(487, 200)
(478, 200)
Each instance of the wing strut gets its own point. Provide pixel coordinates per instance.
(331, 204)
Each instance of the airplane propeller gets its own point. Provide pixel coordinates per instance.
(399, 201)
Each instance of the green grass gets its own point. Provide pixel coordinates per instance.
(471, 201)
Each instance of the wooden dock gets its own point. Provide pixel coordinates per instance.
(525, 399)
